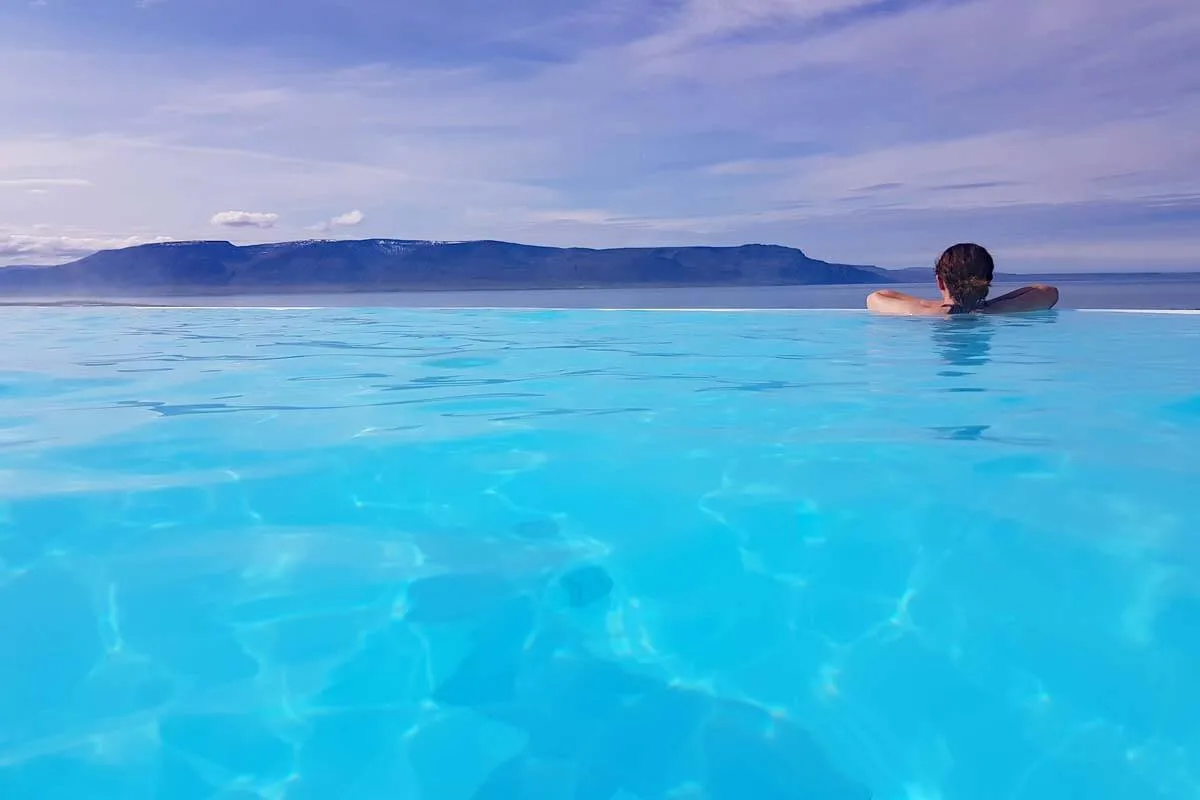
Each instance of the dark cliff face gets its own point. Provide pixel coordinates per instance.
(391, 265)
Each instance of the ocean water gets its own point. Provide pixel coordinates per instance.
(378, 554)
(1123, 292)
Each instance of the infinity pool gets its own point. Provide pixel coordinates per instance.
(393, 554)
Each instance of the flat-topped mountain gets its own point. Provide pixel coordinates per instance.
(182, 268)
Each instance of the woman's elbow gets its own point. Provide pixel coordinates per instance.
(1049, 294)
(877, 299)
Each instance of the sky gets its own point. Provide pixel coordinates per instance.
(1060, 134)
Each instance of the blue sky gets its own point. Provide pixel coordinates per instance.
(1062, 134)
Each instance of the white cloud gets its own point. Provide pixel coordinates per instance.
(348, 220)
(42, 183)
(245, 219)
(39, 249)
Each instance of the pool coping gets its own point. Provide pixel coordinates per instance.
(655, 309)
(715, 309)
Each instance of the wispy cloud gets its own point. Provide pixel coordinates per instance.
(245, 219)
(1146, 253)
(1132, 161)
(699, 23)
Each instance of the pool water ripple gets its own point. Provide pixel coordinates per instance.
(497, 555)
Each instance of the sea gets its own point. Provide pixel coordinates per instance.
(1115, 293)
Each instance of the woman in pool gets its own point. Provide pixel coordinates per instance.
(964, 276)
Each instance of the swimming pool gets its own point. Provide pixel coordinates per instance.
(475, 555)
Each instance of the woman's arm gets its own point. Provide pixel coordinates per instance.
(1038, 297)
(889, 301)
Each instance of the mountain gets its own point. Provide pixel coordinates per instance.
(380, 265)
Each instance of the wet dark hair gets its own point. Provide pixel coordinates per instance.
(966, 272)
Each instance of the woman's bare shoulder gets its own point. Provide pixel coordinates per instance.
(889, 301)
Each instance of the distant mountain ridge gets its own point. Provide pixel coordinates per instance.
(382, 265)
(389, 265)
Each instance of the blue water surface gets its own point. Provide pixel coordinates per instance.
(360, 554)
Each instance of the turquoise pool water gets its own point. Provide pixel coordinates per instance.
(480, 555)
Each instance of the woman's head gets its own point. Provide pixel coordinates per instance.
(964, 272)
